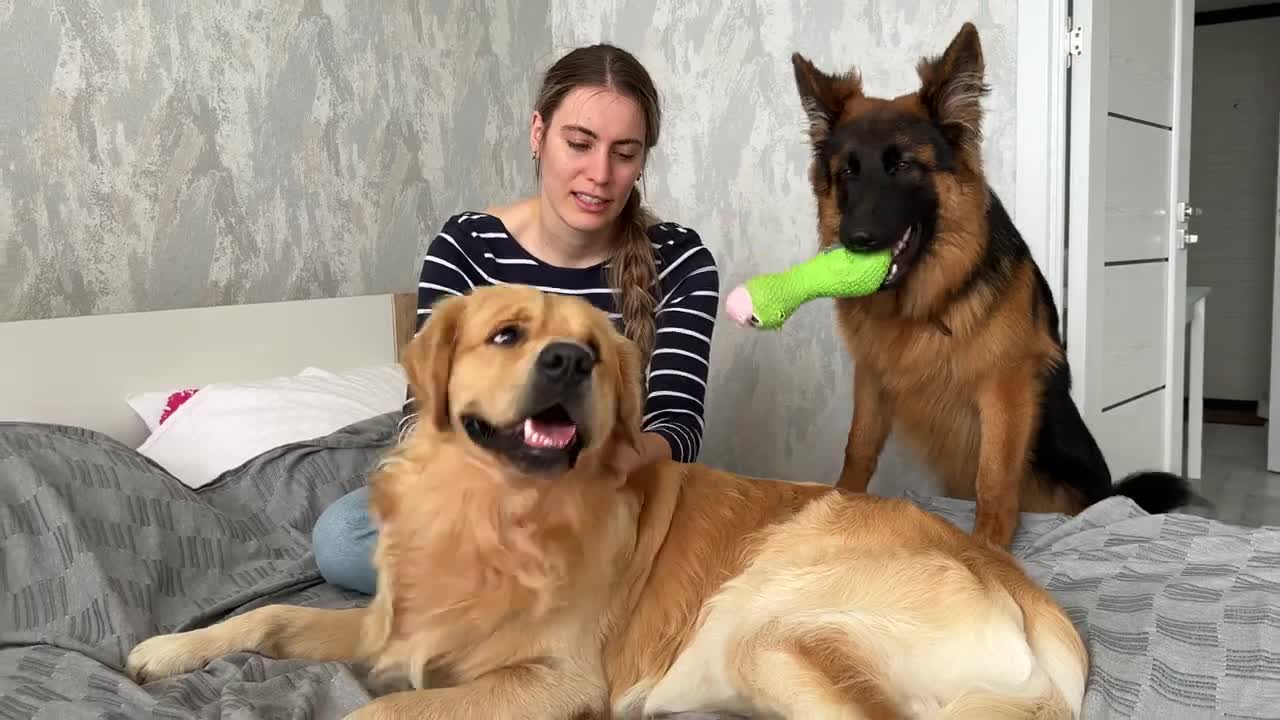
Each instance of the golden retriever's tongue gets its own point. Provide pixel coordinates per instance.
(542, 434)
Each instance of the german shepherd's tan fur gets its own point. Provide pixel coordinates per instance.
(960, 351)
(515, 583)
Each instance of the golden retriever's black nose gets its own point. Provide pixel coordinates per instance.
(565, 362)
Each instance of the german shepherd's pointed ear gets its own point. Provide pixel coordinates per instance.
(428, 361)
(823, 96)
(951, 90)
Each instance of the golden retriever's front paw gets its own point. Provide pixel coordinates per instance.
(166, 655)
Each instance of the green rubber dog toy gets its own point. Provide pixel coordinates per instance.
(767, 301)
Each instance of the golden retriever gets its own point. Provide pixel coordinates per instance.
(519, 575)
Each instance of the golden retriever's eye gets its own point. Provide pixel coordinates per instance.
(507, 335)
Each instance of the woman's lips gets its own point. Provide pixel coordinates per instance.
(590, 203)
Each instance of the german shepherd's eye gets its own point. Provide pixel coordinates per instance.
(902, 165)
(506, 335)
(849, 167)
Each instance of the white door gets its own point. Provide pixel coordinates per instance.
(1273, 422)
(1129, 168)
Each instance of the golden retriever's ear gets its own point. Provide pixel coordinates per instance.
(428, 360)
(630, 376)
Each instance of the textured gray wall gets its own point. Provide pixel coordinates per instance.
(732, 164)
(217, 154)
(174, 154)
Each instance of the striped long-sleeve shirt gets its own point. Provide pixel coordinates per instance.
(475, 249)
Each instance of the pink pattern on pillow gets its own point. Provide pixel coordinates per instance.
(175, 401)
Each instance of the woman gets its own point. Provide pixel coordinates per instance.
(586, 233)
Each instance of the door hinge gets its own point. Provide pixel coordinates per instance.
(1075, 40)
(1186, 211)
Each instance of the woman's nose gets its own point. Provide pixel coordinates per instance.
(600, 167)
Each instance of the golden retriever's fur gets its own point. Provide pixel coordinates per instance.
(579, 593)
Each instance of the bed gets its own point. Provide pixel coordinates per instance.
(101, 545)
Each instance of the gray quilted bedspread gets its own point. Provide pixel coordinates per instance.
(99, 549)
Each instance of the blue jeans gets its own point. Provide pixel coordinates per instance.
(343, 540)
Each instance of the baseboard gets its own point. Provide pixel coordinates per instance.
(1223, 411)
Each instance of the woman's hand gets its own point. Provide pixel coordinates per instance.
(653, 448)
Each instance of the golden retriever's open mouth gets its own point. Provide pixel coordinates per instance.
(548, 440)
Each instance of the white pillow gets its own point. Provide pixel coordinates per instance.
(225, 424)
(149, 406)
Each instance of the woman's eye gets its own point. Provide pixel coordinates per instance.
(902, 165)
(506, 336)
(578, 146)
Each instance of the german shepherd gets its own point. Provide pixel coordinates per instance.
(960, 349)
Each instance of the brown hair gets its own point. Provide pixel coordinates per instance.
(632, 270)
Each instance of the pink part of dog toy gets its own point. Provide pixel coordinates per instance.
(738, 305)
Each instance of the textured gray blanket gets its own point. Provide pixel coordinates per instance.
(99, 549)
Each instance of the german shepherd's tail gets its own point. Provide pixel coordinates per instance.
(1158, 492)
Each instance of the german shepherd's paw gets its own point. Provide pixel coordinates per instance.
(167, 655)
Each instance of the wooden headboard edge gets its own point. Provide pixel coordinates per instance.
(405, 309)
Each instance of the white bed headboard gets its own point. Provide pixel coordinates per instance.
(78, 370)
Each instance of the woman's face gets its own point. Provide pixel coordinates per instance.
(591, 154)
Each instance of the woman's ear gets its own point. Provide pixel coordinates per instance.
(428, 361)
(537, 131)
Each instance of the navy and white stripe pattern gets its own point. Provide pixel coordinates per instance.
(476, 249)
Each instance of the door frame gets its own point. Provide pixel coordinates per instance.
(1040, 168)
(1045, 55)
(1180, 191)
(1273, 423)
